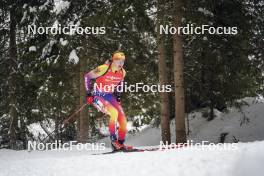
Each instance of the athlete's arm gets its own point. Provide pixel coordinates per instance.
(95, 73)
(121, 83)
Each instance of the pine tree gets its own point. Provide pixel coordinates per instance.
(12, 79)
(178, 76)
(163, 78)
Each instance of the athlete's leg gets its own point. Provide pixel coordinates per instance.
(106, 107)
(122, 126)
(122, 120)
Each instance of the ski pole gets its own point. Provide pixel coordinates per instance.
(62, 123)
(76, 112)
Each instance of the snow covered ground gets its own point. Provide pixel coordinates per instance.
(252, 129)
(246, 160)
(230, 122)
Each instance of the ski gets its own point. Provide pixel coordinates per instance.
(119, 151)
(140, 150)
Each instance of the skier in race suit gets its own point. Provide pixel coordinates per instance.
(107, 99)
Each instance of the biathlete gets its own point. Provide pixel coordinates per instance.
(107, 99)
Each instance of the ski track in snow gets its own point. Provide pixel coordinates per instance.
(246, 160)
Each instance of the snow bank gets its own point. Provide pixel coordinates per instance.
(245, 160)
(244, 126)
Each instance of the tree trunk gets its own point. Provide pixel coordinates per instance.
(12, 81)
(83, 120)
(211, 98)
(178, 76)
(163, 80)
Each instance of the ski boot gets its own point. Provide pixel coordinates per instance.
(119, 145)
(116, 146)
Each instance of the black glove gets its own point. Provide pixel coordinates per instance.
(89, 94)
(89, 98)
(118, 98)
